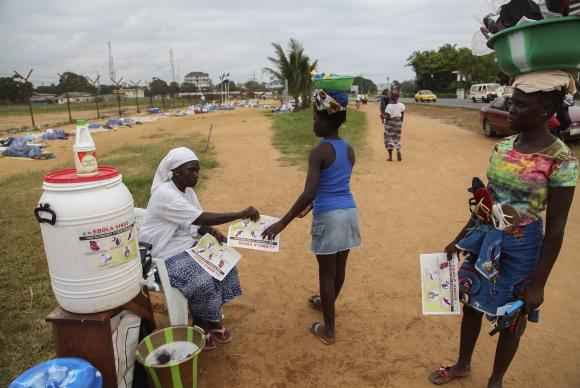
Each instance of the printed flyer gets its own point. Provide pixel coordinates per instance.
(248, 234)
(440, 284)
(216, 259)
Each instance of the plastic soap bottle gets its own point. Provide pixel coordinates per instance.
(84, 150)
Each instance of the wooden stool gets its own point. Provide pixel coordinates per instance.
(89, 336)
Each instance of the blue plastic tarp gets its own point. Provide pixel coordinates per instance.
(60, 373)
(19, 147)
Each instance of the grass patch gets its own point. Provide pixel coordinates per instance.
(294, 137)
(25, 293)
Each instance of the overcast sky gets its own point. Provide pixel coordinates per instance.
(372, 38)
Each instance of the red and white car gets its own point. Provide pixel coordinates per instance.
(494, 120)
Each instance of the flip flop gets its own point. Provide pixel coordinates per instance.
(210, 343)
(222, 336)
(315, 329)
(315, 302)
(444, 375)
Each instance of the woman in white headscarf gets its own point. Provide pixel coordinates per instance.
(174, 221)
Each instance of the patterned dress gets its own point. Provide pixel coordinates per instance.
(501, 262)
(205, 295)
(393, 125)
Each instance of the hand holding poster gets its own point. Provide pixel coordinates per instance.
(440, 284)
(248, 234)
(216, 259)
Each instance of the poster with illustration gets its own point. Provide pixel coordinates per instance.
(216, 259)
(248, 234)
(440, 284)
(110, 245)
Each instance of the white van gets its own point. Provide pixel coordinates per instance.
(483, 92)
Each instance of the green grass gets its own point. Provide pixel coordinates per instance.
(25, 293)
(294, 137)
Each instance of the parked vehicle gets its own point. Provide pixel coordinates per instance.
(483, 92)
(495, 120)
(425, 96)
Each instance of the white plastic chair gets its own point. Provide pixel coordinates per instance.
(174, 299)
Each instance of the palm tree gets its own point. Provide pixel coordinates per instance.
(294, 68)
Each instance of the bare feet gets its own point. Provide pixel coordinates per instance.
(446, 374)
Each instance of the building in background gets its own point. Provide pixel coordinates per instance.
(131, 92)
(76, 97)
(199, 79)
(43, 98)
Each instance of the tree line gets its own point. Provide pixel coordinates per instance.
(435, 69)
(14, 90)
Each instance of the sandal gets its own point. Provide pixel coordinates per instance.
(210, 343)
(221, 336)
(315, 329)
(315, 302)
(444, 375)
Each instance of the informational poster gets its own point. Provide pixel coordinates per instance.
(216, 259)
(111, 244)
(248, 234)
(440, 284)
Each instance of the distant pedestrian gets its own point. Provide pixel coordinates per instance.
(394, 115)
(383, 104)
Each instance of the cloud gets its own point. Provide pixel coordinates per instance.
(368, 37)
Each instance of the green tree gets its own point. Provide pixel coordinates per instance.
(13, 90)
(51, 89)
(365, 86)
(158, 87)
(189, 88)
(408, 88)
(294, 68)
(254, 85)
(173, 89)
(435, 69)
(72, 82)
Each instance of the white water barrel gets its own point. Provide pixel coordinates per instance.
(90, 240)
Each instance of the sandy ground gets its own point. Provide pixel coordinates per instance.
(405, 209)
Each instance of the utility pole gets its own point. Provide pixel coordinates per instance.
(24, 81)
(97, 86)
(119, 85)
(111, 63)
(70, 120)
(135, 86)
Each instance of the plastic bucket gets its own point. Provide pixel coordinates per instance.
(551, 44)
(90, 240)
(180, 371)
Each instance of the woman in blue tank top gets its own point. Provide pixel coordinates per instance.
(335, 227)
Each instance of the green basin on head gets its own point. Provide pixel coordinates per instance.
(339, 83)
(543, 45)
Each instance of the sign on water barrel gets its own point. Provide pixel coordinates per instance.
(90, 239)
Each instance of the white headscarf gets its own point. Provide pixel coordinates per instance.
(174, 158)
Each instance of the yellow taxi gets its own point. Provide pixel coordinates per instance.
(425, 96)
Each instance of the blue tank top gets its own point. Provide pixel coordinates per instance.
(334, 187)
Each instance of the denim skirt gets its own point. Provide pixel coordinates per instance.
(335, 231)
(517, 261)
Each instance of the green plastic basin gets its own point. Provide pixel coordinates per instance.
(544, 45)
(337, 83)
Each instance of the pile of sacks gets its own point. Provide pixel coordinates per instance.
(511, 12)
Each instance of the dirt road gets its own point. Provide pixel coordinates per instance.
(405, 208)
(383, 341)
